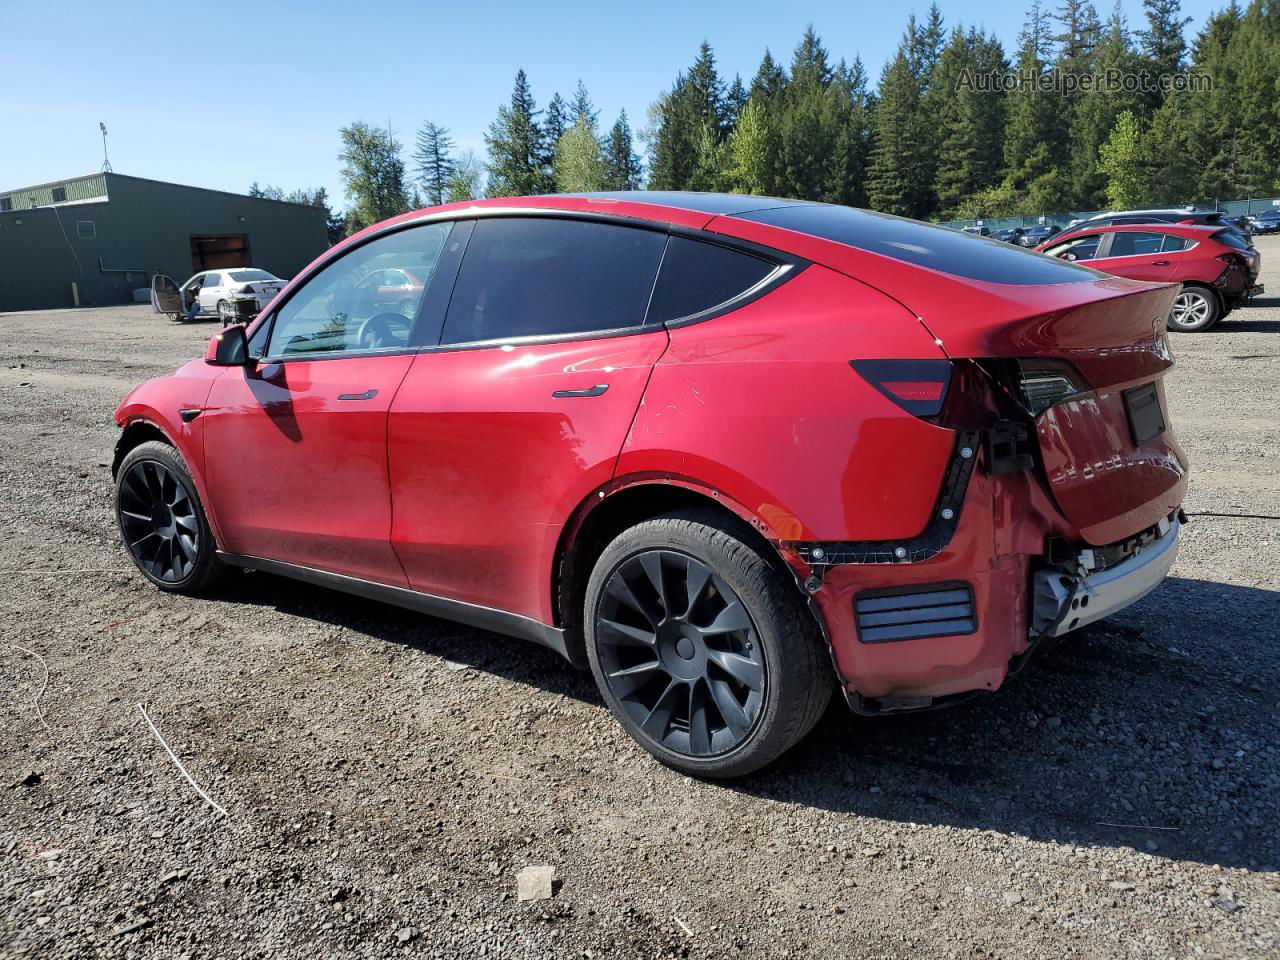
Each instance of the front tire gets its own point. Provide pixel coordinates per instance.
(1195, 310)
(162, 522)
(701, 648)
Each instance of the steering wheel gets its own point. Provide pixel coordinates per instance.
(377, 332)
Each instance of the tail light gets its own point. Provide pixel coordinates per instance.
(1042, 383)
(245, 289)
(917, 386)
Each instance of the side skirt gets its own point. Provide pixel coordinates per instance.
(486, 618)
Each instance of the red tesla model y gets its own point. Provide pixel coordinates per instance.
(730, 452)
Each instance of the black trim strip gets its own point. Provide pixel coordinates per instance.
(486, 618)
(929, 543)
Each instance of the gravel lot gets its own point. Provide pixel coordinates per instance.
(387, 775)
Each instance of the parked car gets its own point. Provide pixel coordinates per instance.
(1186, 216)
(1011, 235)
(1268, 221)
(218, 292)
(728, 452)
(1034, 236)
(978, 231)
(1217, 270)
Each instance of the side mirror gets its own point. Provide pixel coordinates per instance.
(230, 348)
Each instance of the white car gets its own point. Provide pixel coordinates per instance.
(218, 292)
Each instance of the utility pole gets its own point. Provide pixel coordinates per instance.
(106, 161)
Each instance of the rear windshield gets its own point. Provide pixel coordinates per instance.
(1229, 239)
(244, 276)
(923, 244)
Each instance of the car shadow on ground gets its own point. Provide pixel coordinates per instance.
(1138, 732)
(1232, 325)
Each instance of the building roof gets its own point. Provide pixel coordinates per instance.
(96, 186)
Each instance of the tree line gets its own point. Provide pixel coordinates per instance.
(1075, 118)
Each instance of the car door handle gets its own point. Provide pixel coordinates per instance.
(595, 391)
(1159, 263)
(367, 395)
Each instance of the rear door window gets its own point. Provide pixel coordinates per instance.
(545, 276)
(1134, 244)
(697, 276)
(1173, 244)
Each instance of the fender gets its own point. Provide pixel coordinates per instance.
(156, 403)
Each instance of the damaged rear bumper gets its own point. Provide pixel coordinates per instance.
(1062, 602)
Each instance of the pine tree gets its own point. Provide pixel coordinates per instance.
(1162, 42)
(735, 99)
(1256, 50)
(1120, 161)
(809, 62)
(1079, 37)
(956, 177)
(579, 165)
(433, 156)
(555, 122)
(621, 165)
(769, 81)
(373, 173)
(1035, 134)
(706, 91)
(581, 107)
(1095, 113)
(895, 181)
(516, 151)
(694, 104)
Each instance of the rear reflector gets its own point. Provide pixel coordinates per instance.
(909, 613)
(917, 386)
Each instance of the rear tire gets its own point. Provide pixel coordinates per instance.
(224, 313)
(1195, 310)
(162, 522)
(718, 686)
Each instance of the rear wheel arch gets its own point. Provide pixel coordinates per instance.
(1219, 307)
(620, 505)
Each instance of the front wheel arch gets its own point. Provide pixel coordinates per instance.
(134, 435)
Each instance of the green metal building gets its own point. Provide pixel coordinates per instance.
(93, 240)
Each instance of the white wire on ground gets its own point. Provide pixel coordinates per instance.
(43, 687)
(213, 803)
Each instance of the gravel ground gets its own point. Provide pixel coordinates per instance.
(387, 776)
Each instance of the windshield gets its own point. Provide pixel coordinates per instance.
(244, 276)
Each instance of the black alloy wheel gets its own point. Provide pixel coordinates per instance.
(159, 521)
(680, 653)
